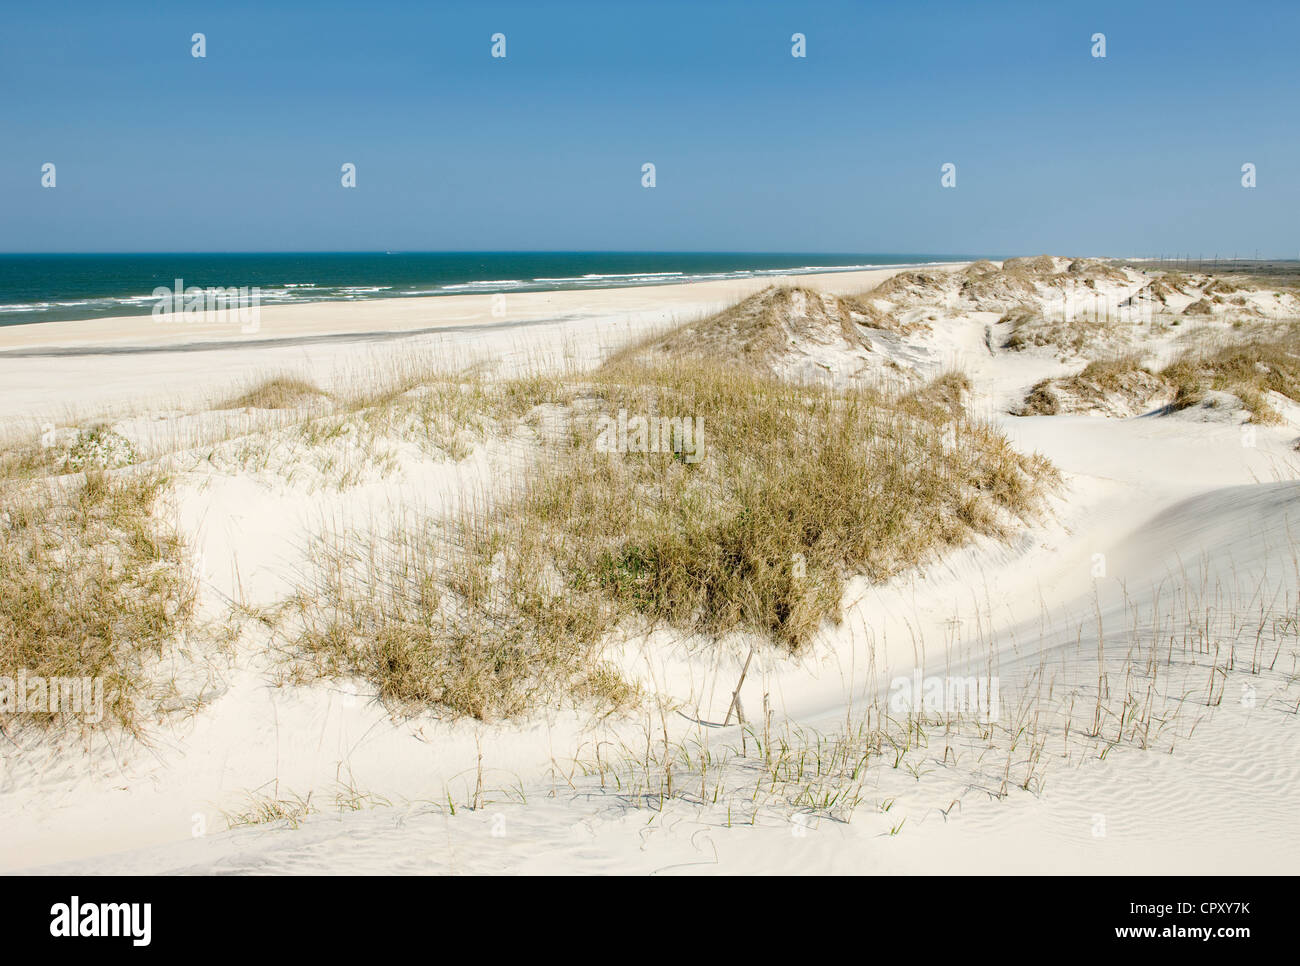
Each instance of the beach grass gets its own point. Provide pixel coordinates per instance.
(1248, 370)
(794, 488)
(93, 584)
(277, 392)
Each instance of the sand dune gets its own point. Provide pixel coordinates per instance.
(1142, 631)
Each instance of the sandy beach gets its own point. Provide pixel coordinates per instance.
(1139, 622)
(50, 368)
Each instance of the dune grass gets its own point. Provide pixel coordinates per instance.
(839, 482)
(1076, 333)
(794, 488)
(1120, 384)
(1109, 375)
(942, 398)
(28, 459)
(92, 584)
(1247, 370)
(1041, 400)
(758, 331)
(279, 392)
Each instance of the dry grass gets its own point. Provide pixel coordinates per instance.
(1110, 375)
(798, 487)
(1121, 386)
(368, 433)
(1077, 333)
(760, 331)
(1041, 400)
(942, 398)
(92, 584)
(1247, 370)
(462, 628)
(94, 447)
(261, 809)
(280, 392)
(28, 459)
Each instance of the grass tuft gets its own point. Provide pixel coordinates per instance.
(91, 585)
(1247, 370)
(281, 392)
(791, 490)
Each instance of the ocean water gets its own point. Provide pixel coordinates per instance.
(52, 288)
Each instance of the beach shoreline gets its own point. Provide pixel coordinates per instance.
(414, 314)
(48, 369)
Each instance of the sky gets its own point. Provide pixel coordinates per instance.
(1139, 152)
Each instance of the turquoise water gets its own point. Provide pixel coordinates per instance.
(52, 288)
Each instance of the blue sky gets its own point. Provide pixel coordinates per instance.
(755, 150)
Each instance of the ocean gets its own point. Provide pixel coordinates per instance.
(53, 288)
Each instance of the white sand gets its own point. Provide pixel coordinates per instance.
(49, 369)
(1178, 506)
